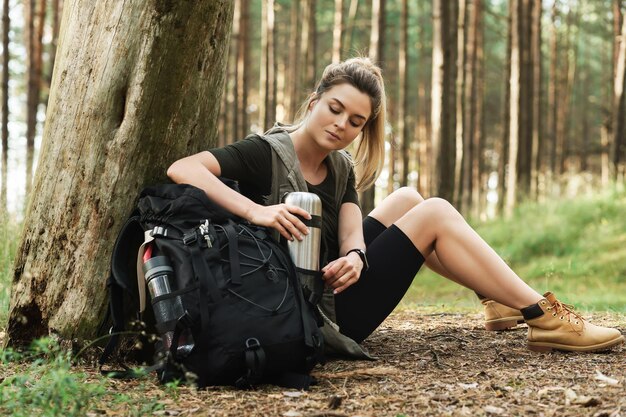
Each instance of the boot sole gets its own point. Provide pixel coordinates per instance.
(503, 324)
(548, 347)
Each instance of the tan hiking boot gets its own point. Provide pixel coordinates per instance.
(563, 329)
(500, 317)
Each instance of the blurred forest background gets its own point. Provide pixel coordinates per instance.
(491, 102)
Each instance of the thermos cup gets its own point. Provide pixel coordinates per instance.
(157, 271)
(306, 252)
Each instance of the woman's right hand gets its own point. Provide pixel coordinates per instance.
(281, 217)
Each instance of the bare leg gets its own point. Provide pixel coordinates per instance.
(397, 205)
(435, 227)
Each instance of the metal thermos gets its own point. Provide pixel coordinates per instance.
(306, 252)
(157, 271)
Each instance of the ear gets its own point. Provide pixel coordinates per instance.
(313, 99)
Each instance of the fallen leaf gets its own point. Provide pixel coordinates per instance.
(473, 385)
(292, 413)
(292, 394)
(490, 409)
(611, 381)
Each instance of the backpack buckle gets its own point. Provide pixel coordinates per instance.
(189, 238)
(159, 231)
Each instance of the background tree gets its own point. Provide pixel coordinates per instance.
(111, 129)
(6, 24)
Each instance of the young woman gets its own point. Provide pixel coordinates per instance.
(371, 263)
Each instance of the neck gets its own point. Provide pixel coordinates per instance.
(310, 156)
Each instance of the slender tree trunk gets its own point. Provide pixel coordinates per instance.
(469, 113)
(337, 31)
(514, 107)
(567, 83)
(375, 54)
(311, 51)
(442, 104)
(354, 5)
(536, 97)
(461, 123)
(6, 25)
(293, 71)
(478, 168)
(56, 9)
(32, 93)
(553, 93)
(618, 122)
(243, 71)
(404, 136)
(503, 149)
(120, 112)
(424, 143)
(267, 91)
(233, 62)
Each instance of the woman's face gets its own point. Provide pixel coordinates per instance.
(338, 116)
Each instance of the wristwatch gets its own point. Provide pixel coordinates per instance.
(363, 257)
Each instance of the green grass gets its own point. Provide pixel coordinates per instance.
(9, 235)
(574, 248)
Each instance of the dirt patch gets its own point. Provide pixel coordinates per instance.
(429, 365)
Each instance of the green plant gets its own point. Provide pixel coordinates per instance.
(46, 385)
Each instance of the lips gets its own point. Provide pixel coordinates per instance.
(334, 136)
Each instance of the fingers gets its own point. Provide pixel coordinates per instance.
(287, 223)
(340, 274)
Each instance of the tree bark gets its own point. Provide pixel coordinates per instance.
(460, 132)
(536, 97)
(553, 92)
(442, 104)
(619, 129)
(268, 67)
(337, 31)
(479, 175)
(243, 70)
(137, 86)
(469, 112)
(503, 148)
(293, 71)
(514, 107)
(377, 39)
(404, 136)
(354, 5)
(6, 25)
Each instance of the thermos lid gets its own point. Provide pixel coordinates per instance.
(308, 201)
(158, 264)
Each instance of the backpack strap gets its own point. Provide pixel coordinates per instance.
(117, 283)
(233, 253)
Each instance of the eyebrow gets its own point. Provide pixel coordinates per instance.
(342, 105)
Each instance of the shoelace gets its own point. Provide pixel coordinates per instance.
(566, 311)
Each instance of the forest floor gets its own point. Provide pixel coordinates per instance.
(428, 365)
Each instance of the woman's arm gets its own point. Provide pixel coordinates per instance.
(202, 169)
(345, 271)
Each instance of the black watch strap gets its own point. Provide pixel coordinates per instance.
(363, 257)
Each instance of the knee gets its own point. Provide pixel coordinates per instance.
(440, 208)
(408, 195)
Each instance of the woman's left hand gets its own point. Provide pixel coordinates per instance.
(343, 272)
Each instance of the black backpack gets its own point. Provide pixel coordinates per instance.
(241, 317)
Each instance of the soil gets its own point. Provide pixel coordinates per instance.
(431, 365)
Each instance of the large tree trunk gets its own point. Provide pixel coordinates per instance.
(137, 86)
(442, 102)
(6, 25)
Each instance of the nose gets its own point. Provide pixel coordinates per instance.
(340, 122)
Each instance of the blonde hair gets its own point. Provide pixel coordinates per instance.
(366, 77)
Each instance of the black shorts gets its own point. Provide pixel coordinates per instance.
(394, 261)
